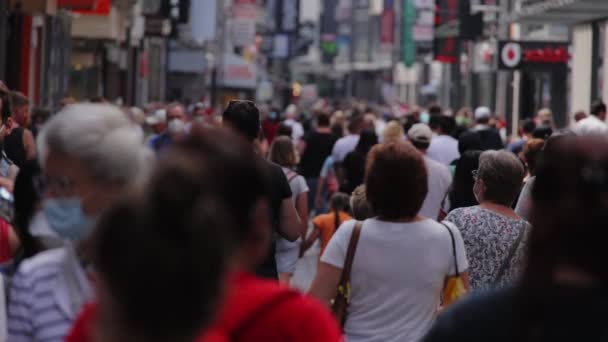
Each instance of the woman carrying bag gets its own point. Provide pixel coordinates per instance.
(402, 260)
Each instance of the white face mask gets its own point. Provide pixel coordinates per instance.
(176, 126)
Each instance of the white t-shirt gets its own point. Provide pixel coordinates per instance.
(343, 146)
(443, 149)
(297, 130)
(439, 181)
(591, 125)
(287, 253)
(397, 276)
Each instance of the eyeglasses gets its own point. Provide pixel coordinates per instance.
(475, 174)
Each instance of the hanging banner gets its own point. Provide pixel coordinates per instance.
(387, 23)
(408, 44)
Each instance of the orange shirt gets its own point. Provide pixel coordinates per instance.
(326, 224)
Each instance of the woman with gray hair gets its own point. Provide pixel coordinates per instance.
(91, 155)
(494, 235)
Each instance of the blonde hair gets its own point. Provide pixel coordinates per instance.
(393, 132)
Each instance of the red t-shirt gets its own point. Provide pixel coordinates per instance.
(254, 310)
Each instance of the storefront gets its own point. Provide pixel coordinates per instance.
(587, 20)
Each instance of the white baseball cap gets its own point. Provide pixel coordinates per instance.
(159, 116)
(420, 133)
(482, 113)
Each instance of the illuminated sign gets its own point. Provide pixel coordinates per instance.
(532, 55)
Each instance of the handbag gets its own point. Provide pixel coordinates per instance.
(341, 302)
(454, 286)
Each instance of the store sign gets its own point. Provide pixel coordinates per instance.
(245, 16)
(95, 7)
(238, 72)
(532, 55)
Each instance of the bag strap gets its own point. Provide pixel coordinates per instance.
(453, 248)
(505, 264)
(259, 313)
(350, 254)
(291, 175)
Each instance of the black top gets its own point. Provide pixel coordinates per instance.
(354, 171)
(279, 191)
(14, 148)
(318, 147)
(563, 314)
(490, 139)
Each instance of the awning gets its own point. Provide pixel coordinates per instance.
(559, 11)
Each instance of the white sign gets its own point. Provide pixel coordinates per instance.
(238, 72)
(511, 55)
(243, 29)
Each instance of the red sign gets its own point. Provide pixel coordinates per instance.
(95, 7)
(530, 54)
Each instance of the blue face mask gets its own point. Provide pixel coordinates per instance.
(66, 218)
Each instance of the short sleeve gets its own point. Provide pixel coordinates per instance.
(461, 253)
(335, 252)
(20, 309)
(300, 186)
(325, 169)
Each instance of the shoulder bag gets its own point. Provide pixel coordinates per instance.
(340, 304)
(454, 286)
(505, 264)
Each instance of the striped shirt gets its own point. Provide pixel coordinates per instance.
(46, 295)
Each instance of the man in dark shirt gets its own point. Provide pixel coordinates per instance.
(490, 138)
(315, 148)
(244, 117)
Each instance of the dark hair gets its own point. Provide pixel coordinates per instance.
(7, 108)
(461, 192)
(435, 110)
(447, 124)
(355, 124)
(323, 120)
(337, 130)
(244, 117)
(367, 140)
(528, 126)
(393, 170)
(420, 145)
(569, 192)
(434, 121)
(339, 202)
(598, 107)
(469, 141)
(238, 172)
(542, 132)
(27, 194)
(19, 100)
(284, 130)
(142, 253)
(409, 122)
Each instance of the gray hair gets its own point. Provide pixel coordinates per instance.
(102, 137)
(502, 173)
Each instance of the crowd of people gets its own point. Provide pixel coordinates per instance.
(181, 223)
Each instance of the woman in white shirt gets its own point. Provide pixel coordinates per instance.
(402, 259)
